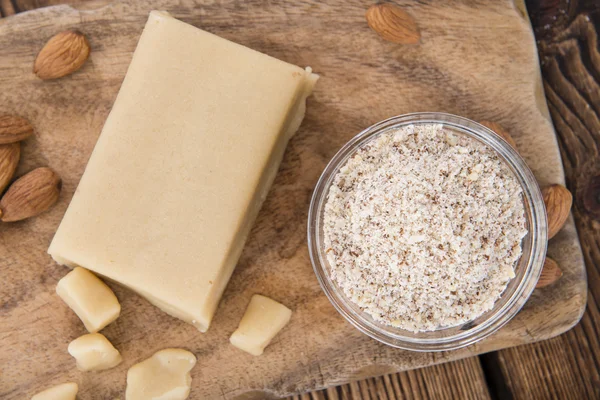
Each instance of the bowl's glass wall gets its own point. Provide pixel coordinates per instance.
(527, 270)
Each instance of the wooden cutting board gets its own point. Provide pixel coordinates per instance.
(476, 59)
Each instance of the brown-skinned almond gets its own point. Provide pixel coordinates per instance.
(550, 273)
(393, 23)
(558, 201)
(30, 195)
(14, 129)
(62, 55)
(499, 129)
(9, 159)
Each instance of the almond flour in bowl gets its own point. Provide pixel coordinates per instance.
(422, 228)
(427, 231)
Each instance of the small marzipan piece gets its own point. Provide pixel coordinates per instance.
(90, 298)
(264, 318)
(93, 352)
(64, 391)
(164, 376)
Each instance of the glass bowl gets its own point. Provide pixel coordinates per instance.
(527, 270)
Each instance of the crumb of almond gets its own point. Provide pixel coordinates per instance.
(423, 227)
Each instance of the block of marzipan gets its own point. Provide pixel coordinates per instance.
(182, 166)
(263, 319)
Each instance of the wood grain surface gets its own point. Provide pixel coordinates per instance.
(362, 77)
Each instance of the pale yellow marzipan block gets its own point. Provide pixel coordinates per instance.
(182, 166)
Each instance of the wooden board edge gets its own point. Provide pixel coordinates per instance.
(580, 305)
(81, 7)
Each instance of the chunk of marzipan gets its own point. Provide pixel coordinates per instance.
(64, 391)
(93, 352)
(165, 375)
(264, 318)
(93, 302)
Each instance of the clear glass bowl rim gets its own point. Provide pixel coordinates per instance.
(535, 214)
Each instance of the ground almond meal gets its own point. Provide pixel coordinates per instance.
(422, 228)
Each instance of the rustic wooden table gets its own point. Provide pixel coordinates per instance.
(567, 366)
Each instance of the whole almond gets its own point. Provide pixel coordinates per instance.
(550, 273)
(558, 201)
(14, 129)
(9, 159)
(499, 129)
(62, 55)
(30, 195)
(393, 23)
